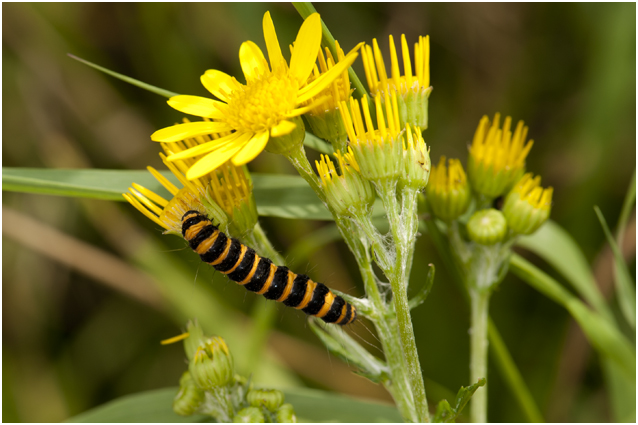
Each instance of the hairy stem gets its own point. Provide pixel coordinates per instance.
(403, 224)
(478, 352)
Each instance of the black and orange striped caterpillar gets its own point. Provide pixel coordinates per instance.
(257, 274)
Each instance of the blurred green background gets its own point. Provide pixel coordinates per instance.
(72, 340)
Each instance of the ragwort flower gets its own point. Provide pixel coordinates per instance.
(266, 108)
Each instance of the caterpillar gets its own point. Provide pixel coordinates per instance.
(258, 274)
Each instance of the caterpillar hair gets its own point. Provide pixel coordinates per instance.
(258, 274)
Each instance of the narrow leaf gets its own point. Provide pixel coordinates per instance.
(553, 244)
(600, 332)
(425, 289)
(318, 144)
(309, 405)
(126, 79)
(624, 284)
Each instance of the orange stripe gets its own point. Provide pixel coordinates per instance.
(192, 231)
(344, 310)
(241, 257)
(310, 289)
(206, 244)
(328, 300)
(222, 257)
(288, 288)
(353, 313)
(268, 282)
(252, 271)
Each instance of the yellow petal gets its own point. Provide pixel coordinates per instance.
(277, 61)
(216, 158)
(196, 105)
(306, 48)
(252, 60)
(203, 148)
(314, 88)
(218, 83)
(283, 128)
(252, 149)
(184, 131)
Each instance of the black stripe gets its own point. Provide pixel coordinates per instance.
(246, 265)
(231, 258)
(204, 233)
(278, 285)
(335, 310)
(317, 301)
(260, 276)
(300, 284)
(186, 224)
(216, 250)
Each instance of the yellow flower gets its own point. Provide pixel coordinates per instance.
(268, 106)
(497, 158)
(413, 88)
(221, 194)
(348, 193)
(384, 151)
(324, 118)
(528, 205)
(448, 192)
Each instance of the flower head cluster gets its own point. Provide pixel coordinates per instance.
(386, 151)
(263, 110)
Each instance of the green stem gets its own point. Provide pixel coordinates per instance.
(401, 382)
(478, 352)
(403, 221)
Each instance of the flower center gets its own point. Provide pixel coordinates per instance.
(262, 103)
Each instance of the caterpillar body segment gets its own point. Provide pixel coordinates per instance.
(258, 274)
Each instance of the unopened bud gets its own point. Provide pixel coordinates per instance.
(487, 227)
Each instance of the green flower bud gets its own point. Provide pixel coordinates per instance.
(328, 125)
(212, 364)
(528, 205)
(487, 227)
(189, 397)
(286, 414)
(287, 143)
(448, 192)
(252, 415)
(416, 159)
(348, 193)
(497, 158)
(270, 399)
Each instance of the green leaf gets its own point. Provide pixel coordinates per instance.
(276, 195)
(553, 244)
(425, 289)
(310, 405)
(624, 284)
(149, 406)
(446, 413)
(126, 79)
(343, 346)
(86, 183)
(318, 144)
(600, 332)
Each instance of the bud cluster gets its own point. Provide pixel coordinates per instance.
(211, 387)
